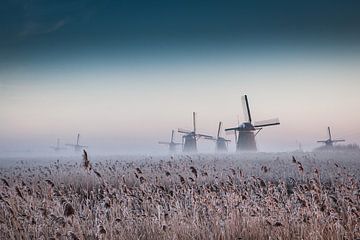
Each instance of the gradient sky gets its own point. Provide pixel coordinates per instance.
(124, 73)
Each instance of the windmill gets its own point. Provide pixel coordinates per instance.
(172, 144)
(190, 138)
(221, 143)
(77, 147)
(330, 142)
(300, 148)
(57, 147)
(247, 131)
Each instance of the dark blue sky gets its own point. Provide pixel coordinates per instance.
(33, 28)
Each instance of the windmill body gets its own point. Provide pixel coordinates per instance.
(190, 138)
(329, 143)
(77, 147)
(57, 147)
(172, 145)
(247, 131)
(221, 143)
(246, 138)
(190, 143)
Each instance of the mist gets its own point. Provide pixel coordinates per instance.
(128, 110)
(125, 82)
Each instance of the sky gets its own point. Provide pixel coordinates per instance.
(125, 73)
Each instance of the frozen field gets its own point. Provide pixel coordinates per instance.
(252, 196)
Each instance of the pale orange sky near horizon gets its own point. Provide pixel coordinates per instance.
(115, 107)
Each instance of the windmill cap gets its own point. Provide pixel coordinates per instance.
(246, 126)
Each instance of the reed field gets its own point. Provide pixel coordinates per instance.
(203, 196)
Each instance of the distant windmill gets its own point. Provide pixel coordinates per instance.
(172, 144)
(330, 142)
(300, 148)
(190, 138)
(57, 147)
(77, 147)
(221, 143)
(247, 131)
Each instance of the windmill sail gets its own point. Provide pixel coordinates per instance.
(265, 123)
(329, 133)
(194, 122)
(219, 129)
(204, 136)
(231, 129)
(246, 108)
(181, 130)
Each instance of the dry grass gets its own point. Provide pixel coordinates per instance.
(258, 196)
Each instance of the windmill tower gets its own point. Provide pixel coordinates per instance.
(57, 147)
(172, 144)
(329, 143)
(247, 131)
(190, 138)
(221, 143)
(77, 147)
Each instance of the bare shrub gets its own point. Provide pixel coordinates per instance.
(306, 196)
